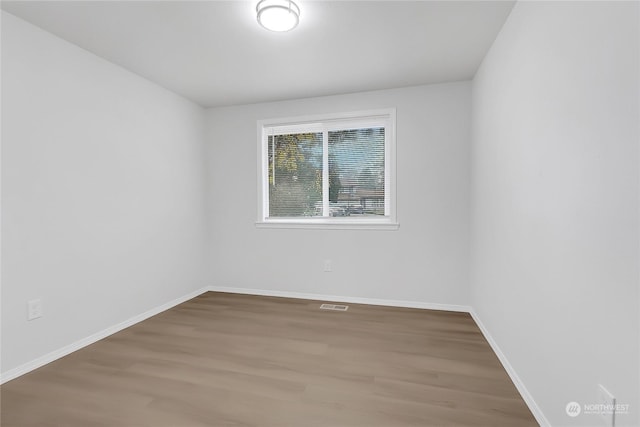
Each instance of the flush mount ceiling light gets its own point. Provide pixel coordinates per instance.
(278, 15)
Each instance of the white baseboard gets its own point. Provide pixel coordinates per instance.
(336, 298)
(57, 354)
(526, 396)
(54, 355)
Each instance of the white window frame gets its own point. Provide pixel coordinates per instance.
(326, 123)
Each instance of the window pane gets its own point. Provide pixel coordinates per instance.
(356, 172)
(295, 174)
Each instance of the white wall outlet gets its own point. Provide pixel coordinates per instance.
(607, 406)
(34, 309)
(328, 267)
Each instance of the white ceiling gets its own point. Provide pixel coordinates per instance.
(215, 53)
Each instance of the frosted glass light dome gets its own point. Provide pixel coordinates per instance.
(278, 15)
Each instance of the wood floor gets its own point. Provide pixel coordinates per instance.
(238, 360)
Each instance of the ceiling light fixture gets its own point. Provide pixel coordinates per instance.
(278, 15)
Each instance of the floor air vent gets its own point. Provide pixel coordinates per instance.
(334, 307)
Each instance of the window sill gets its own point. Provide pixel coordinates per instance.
(331, 224)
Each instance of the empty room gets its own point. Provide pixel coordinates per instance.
(320, 213)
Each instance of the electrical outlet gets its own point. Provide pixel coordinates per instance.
(34, 309)
(607, 406)
(327, 266)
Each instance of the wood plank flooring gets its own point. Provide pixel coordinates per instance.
(240, 360)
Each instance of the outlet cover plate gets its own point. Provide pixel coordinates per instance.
(34, 309)
(608, 408)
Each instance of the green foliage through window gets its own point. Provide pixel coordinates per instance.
(356, 173)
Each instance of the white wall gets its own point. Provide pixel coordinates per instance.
(103, 213)
(425, 261)
(555, 201)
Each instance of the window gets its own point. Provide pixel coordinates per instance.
(333, 171)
